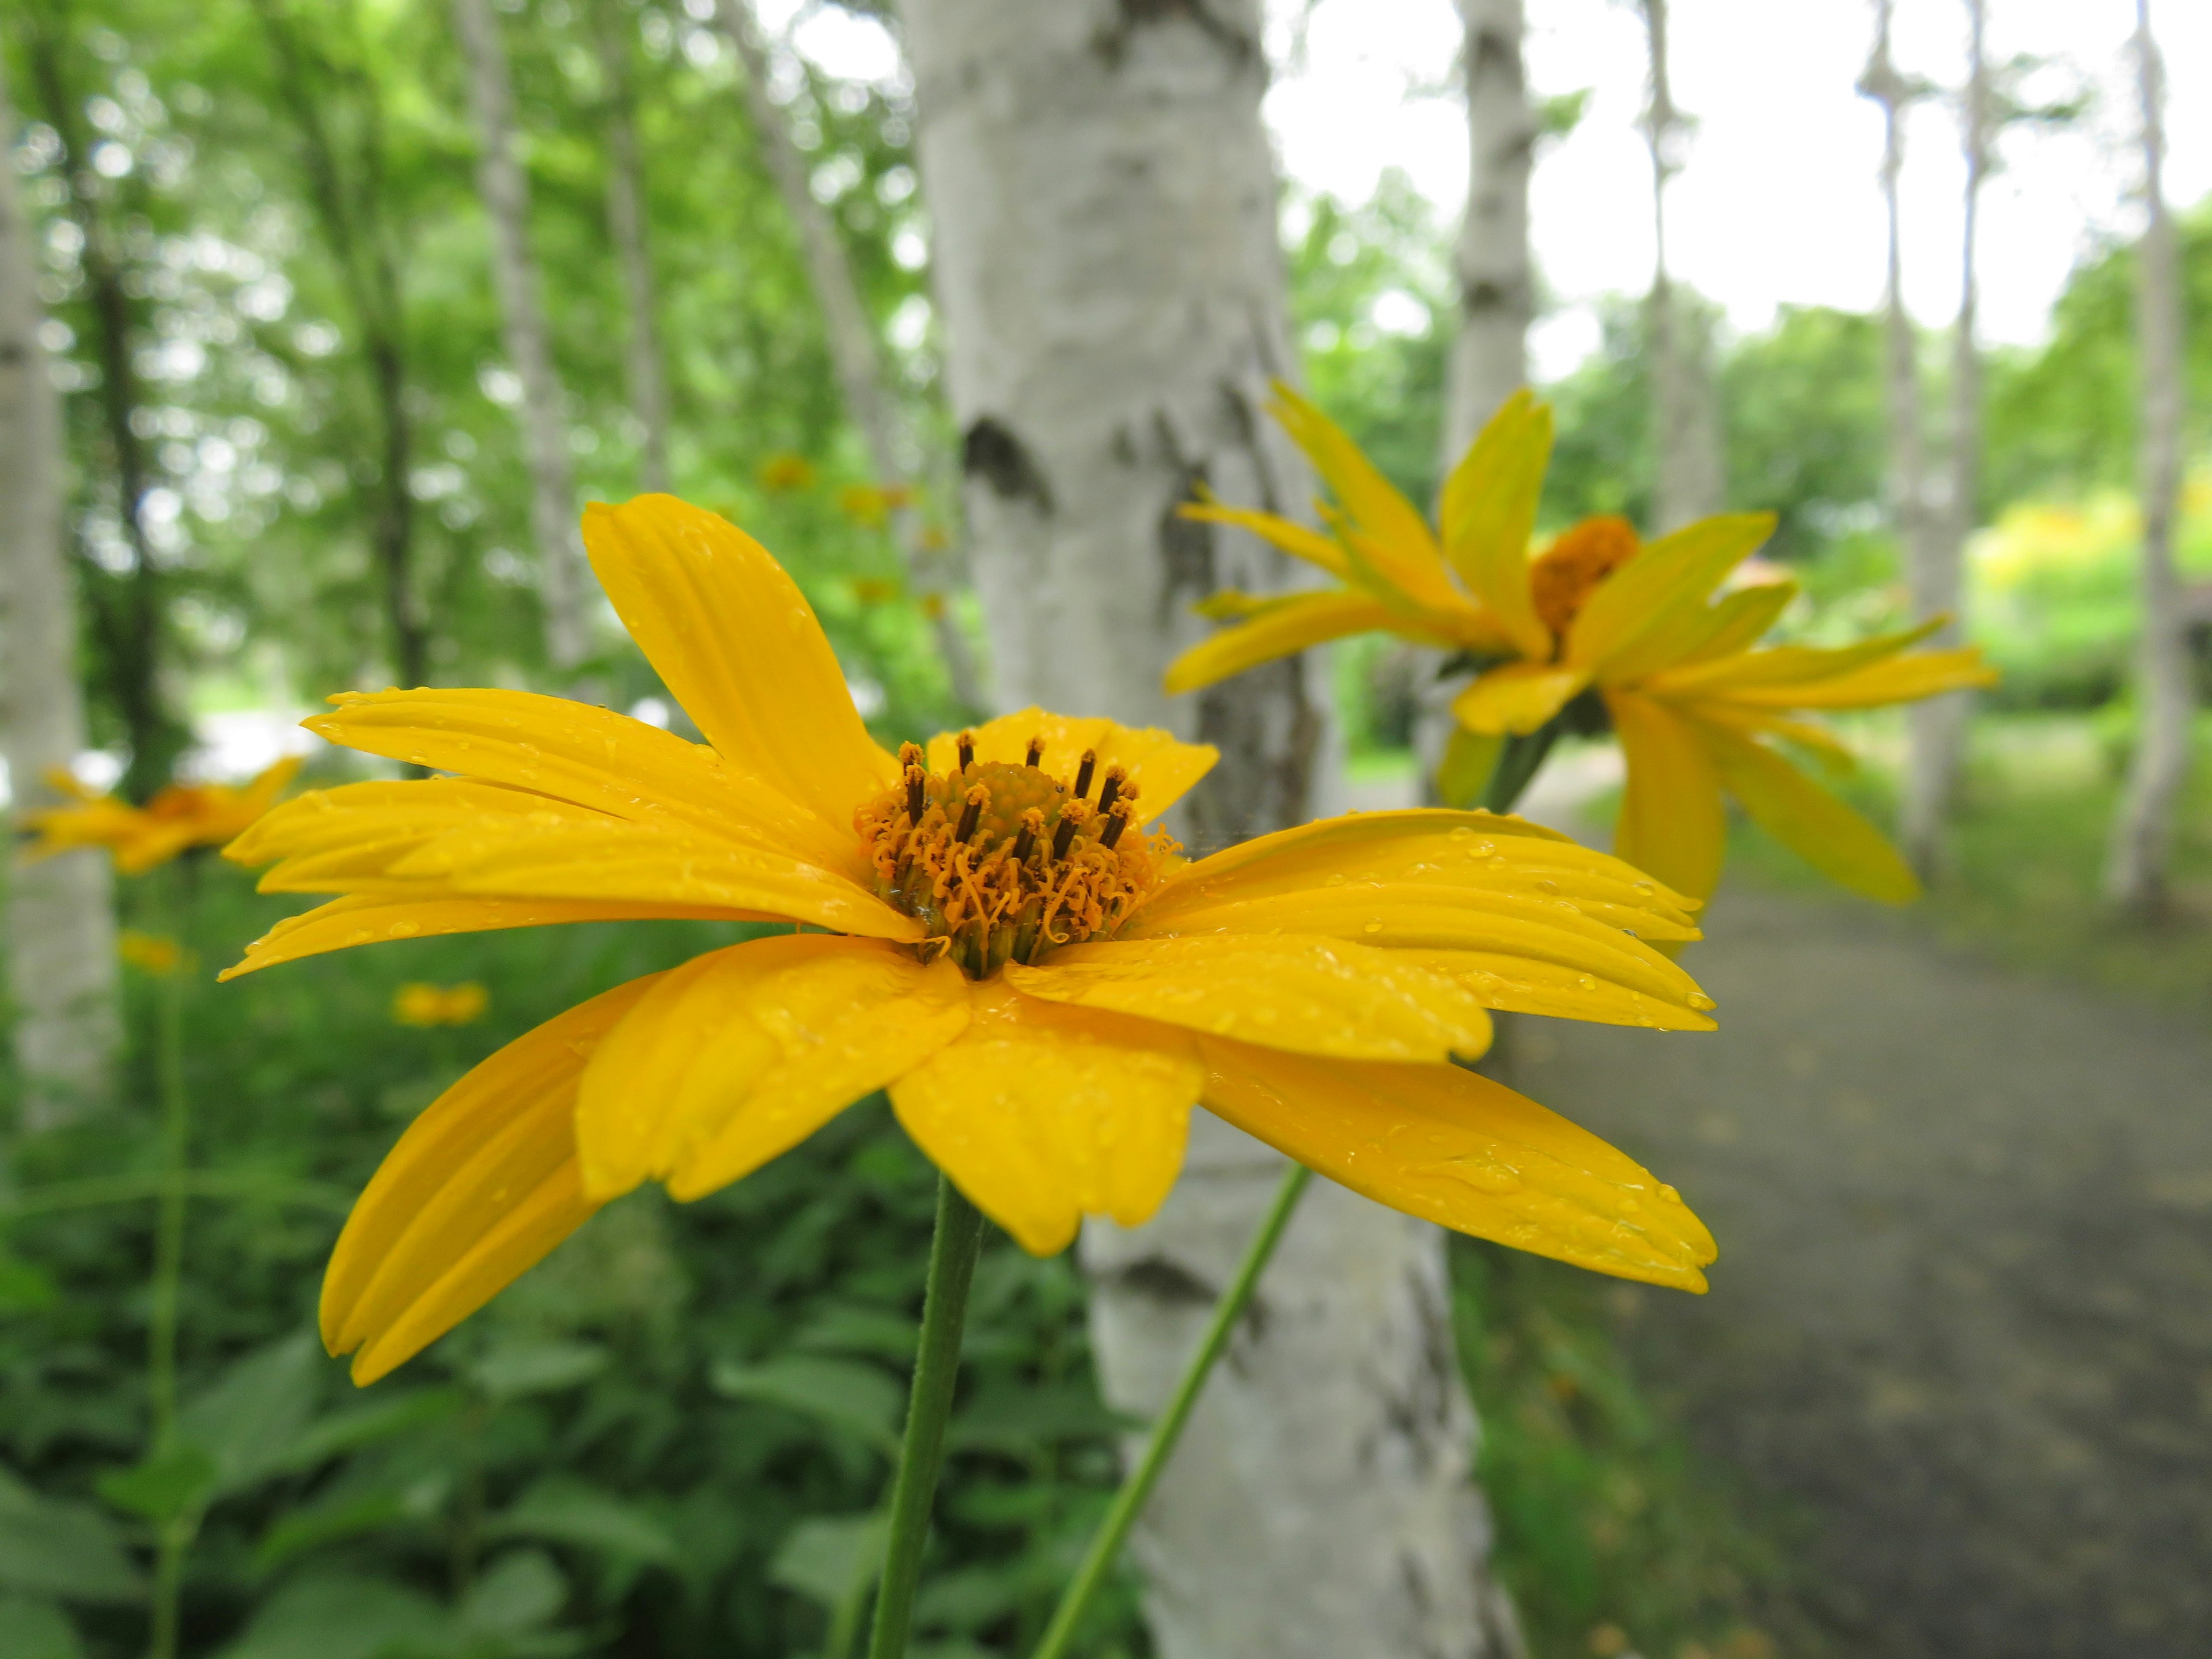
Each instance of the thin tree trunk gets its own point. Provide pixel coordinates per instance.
(2136, 876)
(643, 370)
(349, 211)
(855, 351)
(1908, 477)
(1935, 729)
(564, 580)
(1104, 200)
(127, 615)
(1496, 290)
(61, 922)
(1684, 422)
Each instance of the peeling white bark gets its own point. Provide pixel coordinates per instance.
(1496, 288)
(1935, 729)
(645, 377)
(2142, 833)
(61, 921)
(564, 580)
(1105, 203)
(1686, 418)
(855, 351)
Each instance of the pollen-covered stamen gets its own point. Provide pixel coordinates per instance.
(1083, 773)
(966, 741)
(1115, 777)
(1036, 752)
(1002, 863)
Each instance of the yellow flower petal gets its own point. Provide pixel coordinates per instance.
(736, 642)
(1902, 679)
(1732, 623)
(1637, 617)
(1043, 1114)
(1280, 628)
(1809, 820)
(589, 757)
(1527, 985)
(1516, 699)
(1313, 995)
(1162, 764)
(1788, 665)
(1488, 510)
(736, 1057)
(1457, 1149)
(1672, 821)
(372, 918)
(1295, 539)
(480, 1187)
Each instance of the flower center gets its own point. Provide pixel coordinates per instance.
(1564, 576)
(1004, 862)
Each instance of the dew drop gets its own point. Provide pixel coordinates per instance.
(1548, 885)
(1700, 1002)
(1643, 887)
(1374, 925)
(1586, 982)
(403, 930)
(1336, 879)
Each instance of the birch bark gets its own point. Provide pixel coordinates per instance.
(1908, 477)
(61, 924)
(1935, 729)
(1685, 421)
(855, 351)
(564, 581)
(2136, 875)
(645, 377)
(1496, 290)
(1106, 261)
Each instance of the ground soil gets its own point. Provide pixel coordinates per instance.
(1959, 1337)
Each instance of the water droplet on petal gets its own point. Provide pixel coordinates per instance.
(1700, 1002)
(1586, 982)
(1374, 925)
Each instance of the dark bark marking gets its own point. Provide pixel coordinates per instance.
(989, 451)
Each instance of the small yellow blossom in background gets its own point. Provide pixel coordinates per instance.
(1608, 1641)
(419, 1003)
(933, 538)
(149, 953)
(874, 590)
(995, 930)
(181, 816)
(933, 605)
(1699, 711)
(784, 472)
(873, 505)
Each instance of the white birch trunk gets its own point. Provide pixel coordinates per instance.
(645, 377)
(1105, 203)
(1908, 471)
(1935, 729)
(1686, 423)
(565, 582)
(855, 351)
(1496, 289)
(61, 922)
(2136, 876)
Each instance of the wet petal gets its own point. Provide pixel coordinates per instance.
(1315, 995)
(1043, 1114)
(1457, 1149)
(1162, 764)
(480, 1187)
(736, 642)
(738, 1056)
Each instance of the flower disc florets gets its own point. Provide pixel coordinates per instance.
(1001, 862)
(1562, 578)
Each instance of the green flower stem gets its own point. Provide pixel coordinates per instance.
(937, 1365)
(174, 1536)
(1137, 1486)
(1517, 765)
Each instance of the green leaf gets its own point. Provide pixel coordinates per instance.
(827, 1558)
(254, 1413)
(70, 1551)
(566, 1512)
(378, 1418)
(298, 1531)
(1034, 1419)
(840, 1394)
(33, 1628)
(872, 1332)
(514, 1369)
(340, 1616)
(162, 1488)
(520, 1592)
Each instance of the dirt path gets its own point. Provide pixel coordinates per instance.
(1962, 1319)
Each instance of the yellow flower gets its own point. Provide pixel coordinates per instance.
(181, 816)
(149, 953)
(784, 472)
(998, 936)
(418, 1004)
(1697, 707)
(872, 504)
(874, 590)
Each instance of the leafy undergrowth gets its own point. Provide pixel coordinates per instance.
(2028, 858)
(668, 1440)
(1613, 1536)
